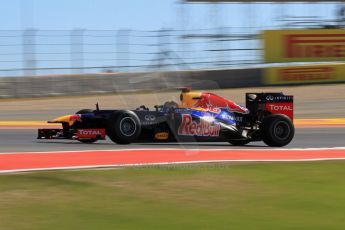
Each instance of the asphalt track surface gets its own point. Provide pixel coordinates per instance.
(21, 152)
(24, 140)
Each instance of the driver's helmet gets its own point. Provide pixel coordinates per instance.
(189, 99)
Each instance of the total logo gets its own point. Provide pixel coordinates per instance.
(188, 127)
(90, 132)
(280, 107)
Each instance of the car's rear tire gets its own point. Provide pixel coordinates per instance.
(123, 127)
(277, 130)
(239, 142)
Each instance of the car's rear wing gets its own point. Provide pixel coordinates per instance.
(274, 103)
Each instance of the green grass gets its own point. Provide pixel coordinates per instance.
(214, 196)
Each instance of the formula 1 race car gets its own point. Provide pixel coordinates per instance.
(200, 116)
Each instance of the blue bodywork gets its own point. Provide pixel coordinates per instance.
(224, 115)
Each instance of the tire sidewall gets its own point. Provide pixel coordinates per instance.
(269, 132)
(114, 127)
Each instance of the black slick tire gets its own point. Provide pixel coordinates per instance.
(123, 127)
(277, 130)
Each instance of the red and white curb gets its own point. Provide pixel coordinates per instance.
(35, 161)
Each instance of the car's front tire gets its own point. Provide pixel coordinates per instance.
(277, 130)
(123, 127)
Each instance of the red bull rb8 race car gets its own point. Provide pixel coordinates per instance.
(198, 117)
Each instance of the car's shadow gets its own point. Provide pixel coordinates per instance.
(71, 143)
(154, 145)
(199, 144)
